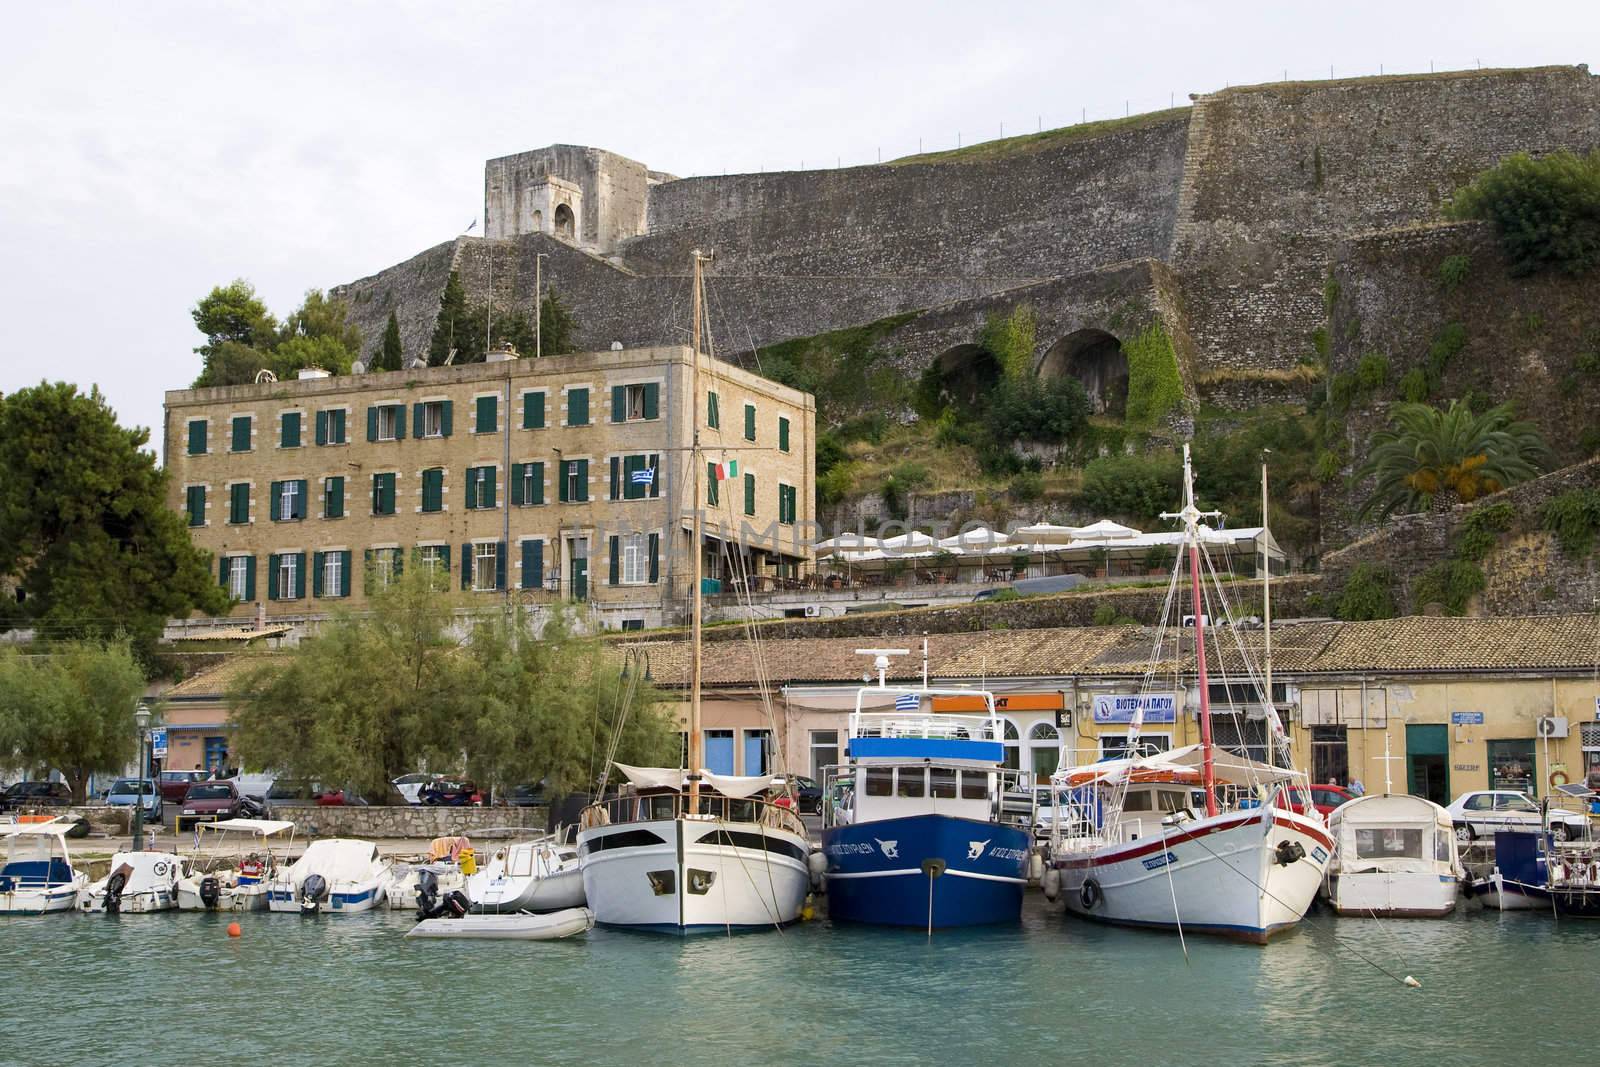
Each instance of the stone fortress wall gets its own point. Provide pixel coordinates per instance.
(1236, 206)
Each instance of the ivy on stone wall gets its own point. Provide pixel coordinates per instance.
(1155, 388)
(1574, 518)
(1367, 594)
(1009, 339)
(1450, 583)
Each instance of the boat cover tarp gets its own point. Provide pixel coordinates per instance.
(340, 859)
(653, 777)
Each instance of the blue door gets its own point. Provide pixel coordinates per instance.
(755, 752)
(216, 752)
(719, 751)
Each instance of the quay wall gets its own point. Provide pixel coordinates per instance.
(411, 821)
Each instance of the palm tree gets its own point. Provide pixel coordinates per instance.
(1433, 459)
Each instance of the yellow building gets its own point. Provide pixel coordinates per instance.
(549, 479)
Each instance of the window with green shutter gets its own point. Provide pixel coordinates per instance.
(533, 410)
(289, 430)
(533, 564)
(574, 481)
(783, 434)
(239, 503)
(713, 416)
(333, 497)
(198, 431)
(433, 489)
(488, 415)
(383, 494)
(241, 434)
(330, 426)
(527, 484)
(577, 407)
(480, 487)
(749, 422)
(711, 485)
(749, 494)
(196, 505)
(786, 504)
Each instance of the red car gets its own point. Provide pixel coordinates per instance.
(1329, 796)
(219, 800)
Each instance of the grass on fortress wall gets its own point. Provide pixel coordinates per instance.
(1005, 147)
(849, 371)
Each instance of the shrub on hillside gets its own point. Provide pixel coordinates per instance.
(1030, 409)
(1367, 594)
(1138, 488)
(1546, 211)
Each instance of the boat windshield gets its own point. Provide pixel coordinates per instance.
(1389, 842)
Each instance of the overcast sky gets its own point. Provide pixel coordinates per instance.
(153, 150)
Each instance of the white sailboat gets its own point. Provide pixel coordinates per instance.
(1192, 840)
(682, 851)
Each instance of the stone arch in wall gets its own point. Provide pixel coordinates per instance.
(566, 225)
(1096, 359)
(966, 373)
(538, 221)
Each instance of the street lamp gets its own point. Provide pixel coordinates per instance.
(141, 719)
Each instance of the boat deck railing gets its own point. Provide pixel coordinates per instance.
(939, 727)
(652, 807)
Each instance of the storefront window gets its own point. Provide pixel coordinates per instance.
(1511, 766)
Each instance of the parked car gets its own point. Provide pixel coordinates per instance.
(291, 790)
(126, 792)
(1481, 812)
(807, 793)
(175, 784)
(410, 786)
(456, 792)
(1328, 796)
(528, 796)
(340, 798)
(218, 800)
(19, 795)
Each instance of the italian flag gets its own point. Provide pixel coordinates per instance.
(727, 470)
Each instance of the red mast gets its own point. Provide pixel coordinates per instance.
(1191, 517)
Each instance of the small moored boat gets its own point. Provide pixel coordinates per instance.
(521, 926)
(1394, 855)
(340, 875)
(210, 886)
(540, 875)
(38, 876)
(137, 882)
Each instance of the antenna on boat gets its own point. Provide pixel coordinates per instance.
(1388, 786)
(880, 661)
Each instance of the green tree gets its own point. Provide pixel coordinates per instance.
(1546, 211)
(1368, 594)
(391, 356)
(70, 708)
(1030, 409)
(453, 329)
(1136, 488)
(1429, 458)
(86, 535)
(239, 331)
(558, 330)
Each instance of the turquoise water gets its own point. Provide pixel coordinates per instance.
(173, 988)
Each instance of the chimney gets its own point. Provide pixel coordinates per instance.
(261, 614)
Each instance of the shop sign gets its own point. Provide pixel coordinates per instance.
(1158, 707)
(1466, 767)
(1467, 718)
(1002, 703)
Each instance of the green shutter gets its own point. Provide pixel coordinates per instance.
(783, 434)
(491, 476)
(300, 576)
(250, 579)
(711, 485)
(322, 427)
(466, 565)
(516, 484)
(197, 505)
(289, 435)
(713, 416)
(444, 559)
(416, 418)
(336, 426)
(388, 494)
(198, 429)
(561, 479)
(372, 424)
(272, 577)
(619, 403)
(500, 565)
(655, 476)
(533, 411)
(616, 559)
(399, 422)
(433, 489)
(333, 498)
(316, 574)
(487, 415)
(655, 558)
(578, 407)
(583, 480)
(344, 574)
(532, 564)
(652, 400)
(538, 484)
(617, 490)
(275, 502)
(367, 572)
(749, 494)
(301, 497)
(222, 571)
(446, 418)
(749, 422)
(241, 433)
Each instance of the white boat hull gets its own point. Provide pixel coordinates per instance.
(44, 899)
(344, 898)
(509, 926)
(557, 891)
(401, 892)
(1393, 894)
(686, 875)
(251, 897)
(145, 900)
(1218, 875)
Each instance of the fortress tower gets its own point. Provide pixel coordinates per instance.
(587, 197)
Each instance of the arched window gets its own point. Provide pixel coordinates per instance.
(1044, 751)
(565, 226)
(1013, 743)
(538, 221)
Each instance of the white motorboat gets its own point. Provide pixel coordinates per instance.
(339, 875)
(401, 892)
(210, 885)
(38, 875)
(539, 875)
(137, 882)
(1394, 855)
(509, 926)
(1195, 839)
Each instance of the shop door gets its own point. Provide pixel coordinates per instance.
(1428, 762)
(580, 579)
(719, 751)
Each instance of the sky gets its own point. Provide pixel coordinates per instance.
(154, 150)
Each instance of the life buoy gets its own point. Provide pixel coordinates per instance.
(1090, 894)
(1558, 778)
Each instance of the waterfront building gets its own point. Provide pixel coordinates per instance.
(556, 479)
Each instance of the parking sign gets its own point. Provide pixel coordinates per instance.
(158, 743)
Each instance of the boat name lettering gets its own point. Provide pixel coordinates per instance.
(1008, 853)
(850, 848)
(1155, 863)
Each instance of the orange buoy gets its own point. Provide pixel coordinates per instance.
(233, 930)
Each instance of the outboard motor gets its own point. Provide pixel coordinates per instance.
(114, 887)
(455, 904)
(313, 891)
(210, 892)
(427, 894)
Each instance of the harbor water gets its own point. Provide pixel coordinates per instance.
(174, 988)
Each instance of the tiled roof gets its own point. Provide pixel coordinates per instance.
(1419, 643)
(236, 633)
(216, 680)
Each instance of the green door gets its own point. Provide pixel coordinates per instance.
(580, 579)
(1428, 762)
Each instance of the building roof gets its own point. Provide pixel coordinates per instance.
(214, 681)
(1419, 643)
(236, 634)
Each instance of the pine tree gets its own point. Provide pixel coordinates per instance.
(453, 328)
(557, 328)
(391, 356)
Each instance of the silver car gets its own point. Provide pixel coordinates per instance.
(1483, 811)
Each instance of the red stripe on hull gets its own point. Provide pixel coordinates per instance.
(1159, 844)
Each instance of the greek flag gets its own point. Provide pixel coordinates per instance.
(644, 477)
(908, 702)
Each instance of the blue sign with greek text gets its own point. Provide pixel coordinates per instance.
(1466, 718)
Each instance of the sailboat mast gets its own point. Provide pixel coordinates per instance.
(1191, 533)
(695, 549)
(1266, 602)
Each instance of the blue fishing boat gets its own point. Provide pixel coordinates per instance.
(915, 831)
